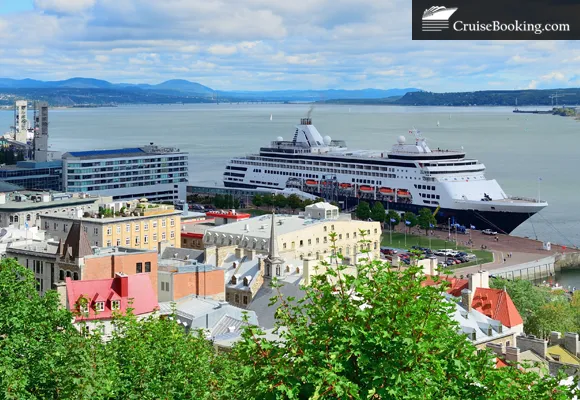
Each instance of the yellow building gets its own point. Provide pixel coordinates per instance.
(136, 224)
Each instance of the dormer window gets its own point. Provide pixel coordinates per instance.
(115, 304)
(99, 306)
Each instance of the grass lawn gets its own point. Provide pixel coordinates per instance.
(254, 212)
(483, 256)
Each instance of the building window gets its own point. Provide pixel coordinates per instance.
(283, 245)
(28, 217)
(109, 244)
(127, 228)
(55, 226)
(301, 243)
(163, 223)
(137, 227)
(171, 222)
(375, 231)
(172, 235)
(332, 227)
(109, 231)
(245, 298)
(309, 242)
(47, 225)
(162, 235)
(237, 298)
(99, 306)
(325, 229)
(348, 235)
(145, 226)
(118, 242)
(147, 266)
(325, 239)
(146, 239)
(115, 304)
(139, 267)
(340, 236)
(127, 241)
(96, 231)
(64, 227)
(155, 237)
(61, 275)
(86, 229)
(118, 229)
(137, 240)
(154, 224)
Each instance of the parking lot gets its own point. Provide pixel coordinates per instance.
(446, 257)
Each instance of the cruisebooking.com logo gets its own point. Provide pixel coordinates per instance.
(436, 19)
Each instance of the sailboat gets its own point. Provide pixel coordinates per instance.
(270, 117)
(437, 123)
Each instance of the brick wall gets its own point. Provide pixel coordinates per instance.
(210, 283)
(106, 266)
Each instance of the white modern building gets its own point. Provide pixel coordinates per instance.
(152, 172)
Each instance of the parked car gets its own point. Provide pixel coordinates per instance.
(388, 251)
(488, 232)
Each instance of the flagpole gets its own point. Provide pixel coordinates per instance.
(539, 183)
(390, 232)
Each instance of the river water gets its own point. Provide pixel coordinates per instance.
(517, 149)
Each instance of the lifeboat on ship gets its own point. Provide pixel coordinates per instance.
(386, 190)
(403, 193)
(345, 186)
(366, 189)
(311, 182)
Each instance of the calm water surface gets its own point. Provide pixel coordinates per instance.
(515, 148)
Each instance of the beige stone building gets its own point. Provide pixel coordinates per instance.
(300, 236)
(137, 225)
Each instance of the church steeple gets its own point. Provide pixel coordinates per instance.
(273, 263)
(273, 251)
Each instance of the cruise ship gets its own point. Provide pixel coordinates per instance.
(410, 177)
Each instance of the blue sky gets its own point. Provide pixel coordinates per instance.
(264, 44)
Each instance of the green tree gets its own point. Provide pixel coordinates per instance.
(219, 201)
(426, 220)
(257, 200)
(268, 200)
(412, 218)
(280, 201)
(377, 335)
(527, 298)
(294, 202)
(554, 316)
(378, 212)
(363, 211)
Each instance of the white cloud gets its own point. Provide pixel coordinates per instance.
(102, 58)
(64, 6)
(533, 84)
(517, 59)
(262, 44)
(222, 50)
(553, 76)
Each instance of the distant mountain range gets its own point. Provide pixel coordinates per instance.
(76, 91)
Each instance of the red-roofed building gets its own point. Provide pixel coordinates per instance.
(494, 303)
(97, 300)
(497, 304)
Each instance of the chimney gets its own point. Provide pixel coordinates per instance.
(555, 338)
(479, 279)
(250, 254)
(61, 291)
(497, 348)
(307, 265)
(123, 284)
(512, 354)
(466, 299)
(239, 252)
(571, 342)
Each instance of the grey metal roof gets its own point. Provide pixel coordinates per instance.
(262, 298)
(171, 253)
